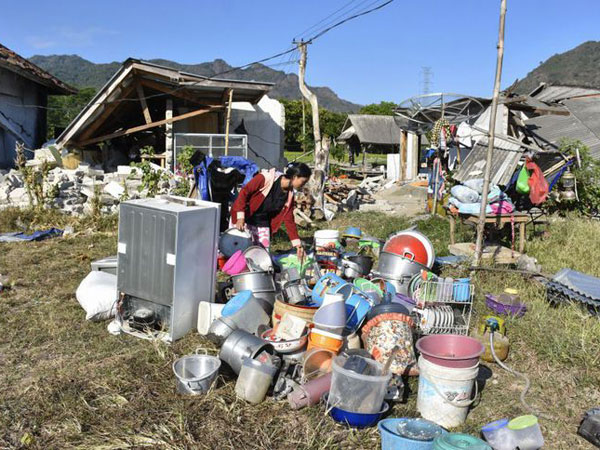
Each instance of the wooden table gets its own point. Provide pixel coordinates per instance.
(520, 218)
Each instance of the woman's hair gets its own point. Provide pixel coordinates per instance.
(297, 170)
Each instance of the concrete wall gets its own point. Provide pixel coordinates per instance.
(412, 160)
(29, 122)
(265, 126)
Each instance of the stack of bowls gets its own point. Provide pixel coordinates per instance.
(331, 315)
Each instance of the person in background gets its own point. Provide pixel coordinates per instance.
(267, 201)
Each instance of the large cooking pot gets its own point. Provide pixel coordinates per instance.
(232, 240)
(392, 266)
(239, 345)
(413, 245)
(351, 269)
(254, 281)
(365, 262)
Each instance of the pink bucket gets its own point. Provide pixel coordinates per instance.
(235, 264)
(450, 350)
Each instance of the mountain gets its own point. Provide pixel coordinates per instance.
(577, 67)
(80, 72)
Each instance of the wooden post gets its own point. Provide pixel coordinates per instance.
(492, 131)
(227, 121)
(403, 143)
(169, 134)
(317, 182)
(145, 110)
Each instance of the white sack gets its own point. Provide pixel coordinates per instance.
(97, 295)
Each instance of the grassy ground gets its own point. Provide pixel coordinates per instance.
(373, 158)
(67, 383)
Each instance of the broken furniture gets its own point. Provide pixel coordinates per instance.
(499, 220)
(167, 250)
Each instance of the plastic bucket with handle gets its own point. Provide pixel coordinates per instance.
(445, 393)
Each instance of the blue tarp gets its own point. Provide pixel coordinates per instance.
(35, 236)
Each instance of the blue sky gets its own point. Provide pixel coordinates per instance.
(375, 57)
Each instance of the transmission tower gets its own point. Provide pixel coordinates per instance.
(426, 75)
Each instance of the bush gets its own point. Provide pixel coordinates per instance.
(588, 176)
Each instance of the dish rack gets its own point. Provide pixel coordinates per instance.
(444, 306)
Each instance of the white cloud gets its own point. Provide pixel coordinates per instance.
(69, 37)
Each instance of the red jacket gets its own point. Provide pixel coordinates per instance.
(251, 197)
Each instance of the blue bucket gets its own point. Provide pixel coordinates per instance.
(408, 434)
(330, 283)
(357, 307)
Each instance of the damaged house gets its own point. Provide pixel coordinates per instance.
(146, 104)
(24, 90)
(386, 133)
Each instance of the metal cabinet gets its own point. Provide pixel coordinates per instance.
(167, 253)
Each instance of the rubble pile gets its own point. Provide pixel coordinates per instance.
(73, 190)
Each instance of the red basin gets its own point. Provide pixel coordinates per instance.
(450, 350)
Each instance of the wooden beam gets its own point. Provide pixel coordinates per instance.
(145, 110)
(175, 92)
(109, 108)
(148, 126)
(403, 145)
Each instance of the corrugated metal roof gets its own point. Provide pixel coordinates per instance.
(16, 63)
(374, 129)
(583, 124)
(552, 94)
(504, 161)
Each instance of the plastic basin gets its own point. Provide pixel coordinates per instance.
(408, 434)
(355, 419)
(451, 350)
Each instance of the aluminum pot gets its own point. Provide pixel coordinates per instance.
(400, 284)
(397, 267)
(221, 329)
(254, 281)
(239, 345)
(294, 292)
(351, 269)
(365, 262)
(267, 299)
(196, 373)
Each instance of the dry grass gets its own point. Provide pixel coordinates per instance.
(68, 384)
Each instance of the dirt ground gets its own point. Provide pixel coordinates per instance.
(68, 384)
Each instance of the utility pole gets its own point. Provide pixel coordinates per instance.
(491, 137)
(317, 182)
(303, 127)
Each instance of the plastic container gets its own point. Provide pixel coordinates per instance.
(196, 373)
(325, 340)
(249, 316)
(236, 303)
(408, 434)
(235, 264)
(508, 306)
(461, 291)
(444, 394)
(459, 441)
(330, 283)
(357, 419)
(527, 432)
(208, 312)
(498, 435)
(332, 312)
(501, 346)
(317, 362)
(254, 380)
(357, 308)
(327, 238)
(450, 350)
(361, 390)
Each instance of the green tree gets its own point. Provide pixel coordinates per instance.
(62, 109)
(381, 108)
(331, 124)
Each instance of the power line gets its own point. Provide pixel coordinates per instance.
(324, 19)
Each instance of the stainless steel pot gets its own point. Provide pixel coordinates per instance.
(241, 344)
(397, 267)
(294, 292)
(254, 281)
(351, 269)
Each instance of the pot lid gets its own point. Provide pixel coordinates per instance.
(522, 422)
(424, 241)
(419, 429)
(233, 240)
(258, 258)
(458, 441)
(495, 425)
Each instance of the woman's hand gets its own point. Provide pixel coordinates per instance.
(240, 224)
(300, 252)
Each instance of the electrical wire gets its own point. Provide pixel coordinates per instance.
(324, 19)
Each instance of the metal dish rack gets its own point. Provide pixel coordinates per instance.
(444, 307)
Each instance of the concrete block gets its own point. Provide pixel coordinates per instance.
(114, 189)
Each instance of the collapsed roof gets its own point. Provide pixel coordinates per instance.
(17, 64)
(372, 129)
(138, 91)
